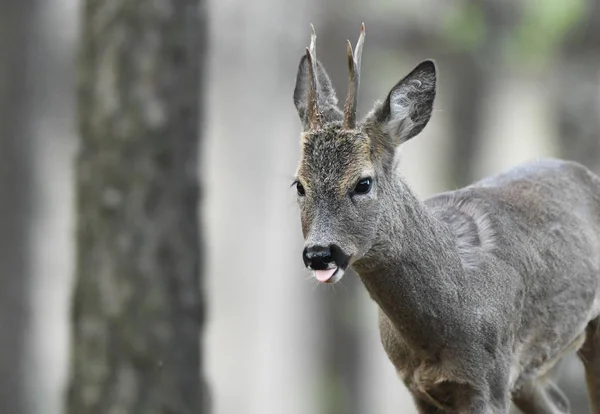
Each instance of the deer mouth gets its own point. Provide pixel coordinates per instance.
(332, 275)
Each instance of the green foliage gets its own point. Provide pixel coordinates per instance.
(464, 27)
(542, 28)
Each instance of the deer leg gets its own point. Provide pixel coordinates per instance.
(538, 396)
(450, 397)
(590, 356)
(425, 407)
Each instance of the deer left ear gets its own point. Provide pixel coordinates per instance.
(408, 106)
(325, 94)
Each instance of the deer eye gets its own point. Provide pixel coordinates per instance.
(363, 186)
(300, 189)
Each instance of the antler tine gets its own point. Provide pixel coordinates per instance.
(313, 107)
(354, 60)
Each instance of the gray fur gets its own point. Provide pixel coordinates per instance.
(480, 290)
(408, 106)
(327, 98)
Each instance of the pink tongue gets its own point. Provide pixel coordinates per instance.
(324, 275)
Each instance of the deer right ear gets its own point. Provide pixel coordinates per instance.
(326, 97)
(408, 106)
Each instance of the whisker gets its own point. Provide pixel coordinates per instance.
(315, 285)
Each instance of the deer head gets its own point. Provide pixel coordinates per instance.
(346, 166)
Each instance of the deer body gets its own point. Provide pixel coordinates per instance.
(481, 290)
(504, 297)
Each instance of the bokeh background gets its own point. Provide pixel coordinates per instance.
(518, 80)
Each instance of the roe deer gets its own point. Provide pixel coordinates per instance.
(480, 290)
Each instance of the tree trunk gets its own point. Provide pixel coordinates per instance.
(16, 194)
(137, 309)
(577, 105)
(473, 71)
(577, 98)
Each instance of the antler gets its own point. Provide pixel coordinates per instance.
(354, 81)
(314, 116)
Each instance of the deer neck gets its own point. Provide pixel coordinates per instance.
(413, 270)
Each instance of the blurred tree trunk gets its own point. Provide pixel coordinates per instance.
(471, 86)
(578, 98)
(473, 71)
(577, 106)
(137, 309)
(16, 195)
(343, 386)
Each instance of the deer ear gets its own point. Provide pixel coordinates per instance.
(326, 97)
(408, 106)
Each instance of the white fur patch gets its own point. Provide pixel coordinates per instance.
(485, 233)
(476, 220)
(400, 107)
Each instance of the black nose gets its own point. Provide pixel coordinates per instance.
(317, 257)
